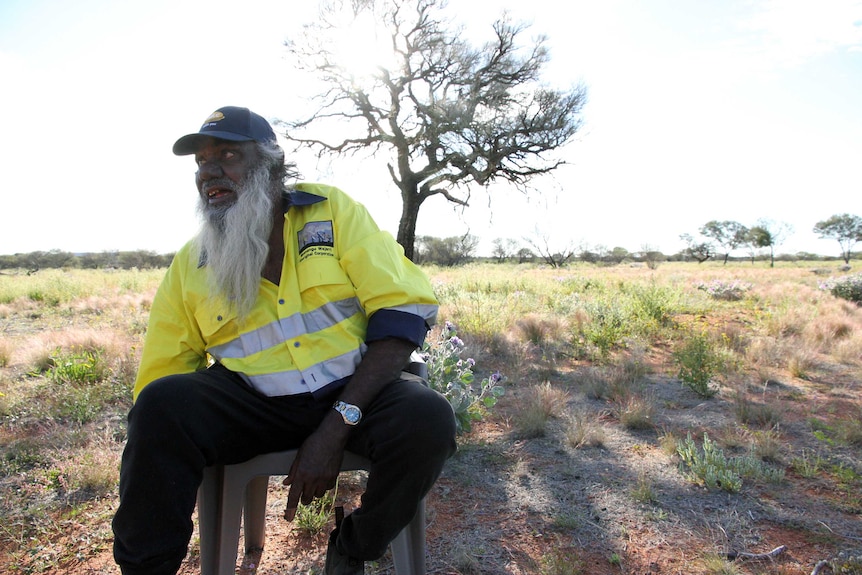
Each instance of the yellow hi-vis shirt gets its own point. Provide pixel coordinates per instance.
(344, 283)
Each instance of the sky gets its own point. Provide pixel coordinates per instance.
(735, 110)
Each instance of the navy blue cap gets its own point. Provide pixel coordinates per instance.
(228, 123)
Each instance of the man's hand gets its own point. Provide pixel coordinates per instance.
(315, 468)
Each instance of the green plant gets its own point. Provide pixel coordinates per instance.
(845, 287)
(559, 562)
(807, 465)
(643, 491)
(76, 367)
(453, 377)
(607, 326)
(698, 362)
(5, 354)
(714, 564)
(312, 518)
(711, 467)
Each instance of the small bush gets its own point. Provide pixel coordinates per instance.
(713, 469)
(845, 287)
(725, 290)
(453, 377)
(698, 362)
(644, 490)
(808, 464)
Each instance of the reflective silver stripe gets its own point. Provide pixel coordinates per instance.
(315, 377)
(425, 311)
(280, 383)
(295, 325)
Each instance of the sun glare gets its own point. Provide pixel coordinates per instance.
(362, 47)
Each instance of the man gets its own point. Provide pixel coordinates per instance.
(284, 324)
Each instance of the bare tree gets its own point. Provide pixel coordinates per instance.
(556, 257)
(449, 115)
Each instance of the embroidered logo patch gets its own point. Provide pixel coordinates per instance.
(316, 237)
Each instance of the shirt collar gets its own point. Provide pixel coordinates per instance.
(299, 199)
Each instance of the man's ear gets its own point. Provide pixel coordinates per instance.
(278, 170)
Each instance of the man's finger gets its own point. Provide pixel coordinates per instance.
(292, 501)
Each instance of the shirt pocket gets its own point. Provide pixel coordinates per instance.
(324, 273)
(216, 327)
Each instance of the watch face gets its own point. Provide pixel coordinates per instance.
(352, 414)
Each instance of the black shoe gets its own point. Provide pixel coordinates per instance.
(336, 562)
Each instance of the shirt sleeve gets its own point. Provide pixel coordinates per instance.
(173, 343)
(394, 292)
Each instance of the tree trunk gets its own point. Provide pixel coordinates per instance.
(410, 202)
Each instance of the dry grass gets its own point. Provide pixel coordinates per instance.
(636, 411)
(543, 402)
(588, 469)
(583, 429)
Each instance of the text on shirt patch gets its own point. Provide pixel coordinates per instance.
(316, 238)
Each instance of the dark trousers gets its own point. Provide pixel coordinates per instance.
(183, 423)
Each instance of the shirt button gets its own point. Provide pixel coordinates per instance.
(219, 318)
(296, 344)
(281, 301)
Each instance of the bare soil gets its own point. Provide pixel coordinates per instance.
(512, 505)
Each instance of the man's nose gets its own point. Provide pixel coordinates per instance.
(209, 169)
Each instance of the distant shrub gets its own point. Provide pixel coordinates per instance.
(725, 290)
(846, 287)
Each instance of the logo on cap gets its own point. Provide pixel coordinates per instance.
(214, 117)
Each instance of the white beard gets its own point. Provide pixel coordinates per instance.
(234, 239)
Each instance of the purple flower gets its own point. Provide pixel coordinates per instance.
(456, 341)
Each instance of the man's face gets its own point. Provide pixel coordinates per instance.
(222, 168)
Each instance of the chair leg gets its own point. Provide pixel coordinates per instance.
(254, 513)
(233, 488)
(226, 491)
(408, 548)
(209, 518)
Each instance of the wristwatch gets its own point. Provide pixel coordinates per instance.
(350, 413)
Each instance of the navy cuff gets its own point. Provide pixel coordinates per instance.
(387, 323)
